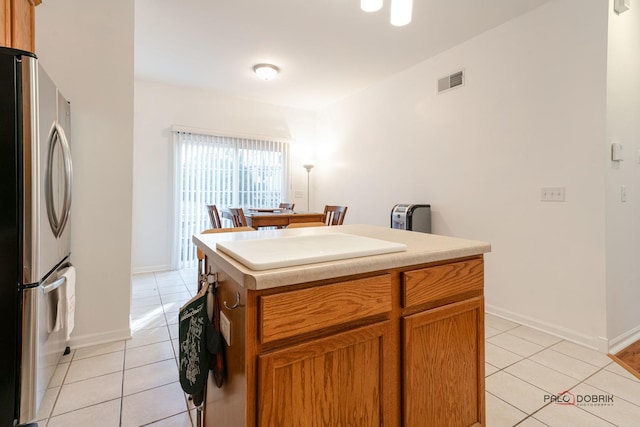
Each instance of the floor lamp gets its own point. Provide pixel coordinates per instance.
(308, 167)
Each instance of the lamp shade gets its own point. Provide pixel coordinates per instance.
(401, 12)
(371, 5)
(265, 71)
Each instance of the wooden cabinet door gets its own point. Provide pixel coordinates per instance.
(5, 23)
(22, 19)
(443, 366)
(17, 24)
(332, 381)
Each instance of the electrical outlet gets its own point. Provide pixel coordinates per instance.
(623, 193)
(225, 328)
(298, 194)
(552, 194)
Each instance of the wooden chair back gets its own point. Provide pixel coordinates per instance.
(200, 254)
(288, 206)
(222, 230)
(334, 215)
(238, 218)
(214, 216)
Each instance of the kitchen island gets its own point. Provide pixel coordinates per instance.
(392, 339)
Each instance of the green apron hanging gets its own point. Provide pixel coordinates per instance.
(197, 341)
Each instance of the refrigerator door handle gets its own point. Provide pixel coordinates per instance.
(57, 135)
(68, 176)
(53, 286)
(31, 172)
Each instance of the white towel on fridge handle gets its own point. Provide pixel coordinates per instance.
(70, 298)
(61, 313)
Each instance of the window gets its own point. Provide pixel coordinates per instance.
(223, 171)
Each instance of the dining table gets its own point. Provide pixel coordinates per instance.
(279, 218)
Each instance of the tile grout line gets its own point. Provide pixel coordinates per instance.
(523, 357)
(549, 347)
(55, 401)
(508, 403)
(584, 382)
(78, 409)
(580, 382)
(605, 391)
(175, 357)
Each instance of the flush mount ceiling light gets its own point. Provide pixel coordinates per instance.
(401, 12)
(370, 5)
(265, 71)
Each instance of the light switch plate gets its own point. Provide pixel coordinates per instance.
(617, 153)
(225, 328)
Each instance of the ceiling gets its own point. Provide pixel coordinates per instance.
(326, 49)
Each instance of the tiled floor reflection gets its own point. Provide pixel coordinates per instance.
(134, 383)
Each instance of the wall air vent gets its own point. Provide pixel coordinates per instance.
(451, 81)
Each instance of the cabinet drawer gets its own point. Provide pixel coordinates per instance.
(442, 281)
(293, 313)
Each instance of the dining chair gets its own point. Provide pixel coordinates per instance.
(334, 215)
(287, 206)
(200, 254)
(214, 216)
(306, 224)
(238, 218)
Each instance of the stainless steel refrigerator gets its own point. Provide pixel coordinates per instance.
(35, 186)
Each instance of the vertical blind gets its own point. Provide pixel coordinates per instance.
(226, 172)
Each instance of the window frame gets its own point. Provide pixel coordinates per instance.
(238, 143)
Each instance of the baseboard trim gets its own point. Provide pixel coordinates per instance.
(151, 269)
(595, 343)
(621, 342)
(97, 339)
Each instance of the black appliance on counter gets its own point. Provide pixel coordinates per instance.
(411, 217)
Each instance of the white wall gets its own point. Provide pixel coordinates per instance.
(87, 48)
(157, 108)
(532, 114)
(623, 218)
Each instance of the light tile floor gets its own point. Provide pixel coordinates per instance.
(526, 367)
(129, 383)
(134, 383)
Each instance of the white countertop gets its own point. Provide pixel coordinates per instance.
(290, 251)
(421, 248)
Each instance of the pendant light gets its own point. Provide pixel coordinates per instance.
(371, 5)
(401, 12)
